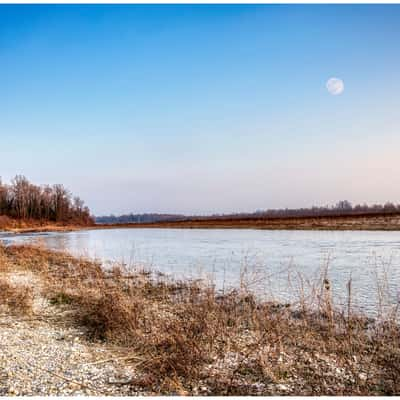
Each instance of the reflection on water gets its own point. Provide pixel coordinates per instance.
(278, 264)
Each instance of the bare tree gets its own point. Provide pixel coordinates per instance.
(23, 200)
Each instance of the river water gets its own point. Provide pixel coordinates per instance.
(281, 265)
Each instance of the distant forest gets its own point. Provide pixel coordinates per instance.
(23, 200)
(138, 218)
(342, 208)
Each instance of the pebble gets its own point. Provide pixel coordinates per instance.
(362, 376)
(40, 358)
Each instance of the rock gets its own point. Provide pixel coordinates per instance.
(282, 387)
(362, 376)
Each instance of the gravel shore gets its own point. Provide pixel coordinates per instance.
(43, 354)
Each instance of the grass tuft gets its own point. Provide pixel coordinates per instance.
(15, 299)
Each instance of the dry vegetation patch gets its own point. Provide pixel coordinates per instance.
(15, 299)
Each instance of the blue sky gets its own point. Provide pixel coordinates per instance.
(202, 108)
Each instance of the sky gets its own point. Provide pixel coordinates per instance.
(202, 109)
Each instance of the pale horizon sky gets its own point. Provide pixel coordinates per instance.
(200, 109)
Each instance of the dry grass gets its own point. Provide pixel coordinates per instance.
(32, 225)
(15, 299)
(188, 338)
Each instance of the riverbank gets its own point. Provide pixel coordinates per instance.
(36, 226)
(384, 222)
(348, 222)
(91, 331)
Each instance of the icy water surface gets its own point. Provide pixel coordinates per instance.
(275, 264)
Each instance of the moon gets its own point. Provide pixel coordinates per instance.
(335, 86)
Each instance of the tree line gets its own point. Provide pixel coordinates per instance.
(138, 218)
(342, 208)
(26, 201)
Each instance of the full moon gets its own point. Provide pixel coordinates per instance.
(335, 86)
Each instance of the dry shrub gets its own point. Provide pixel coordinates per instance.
(15, 299)
(4, 263)
(35, 258)
(109, 316)
(174, 325)
(180, 329)
(181, 341)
